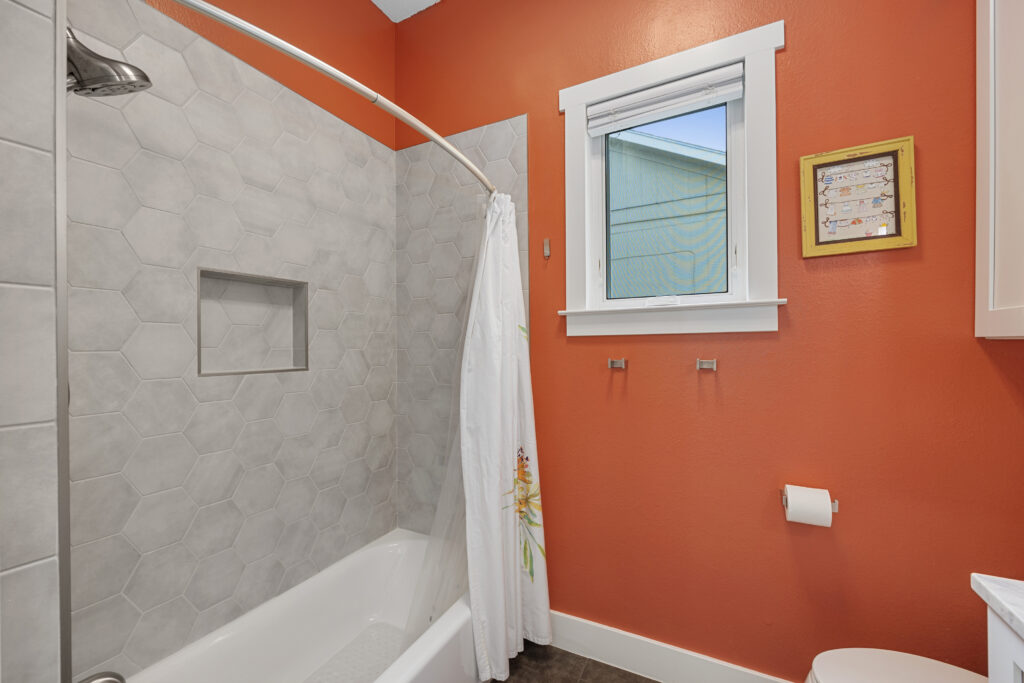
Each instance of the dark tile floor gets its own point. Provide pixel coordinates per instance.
(546, 664)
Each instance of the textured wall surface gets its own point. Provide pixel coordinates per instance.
(193, 498)
(874, 385)
(28, 432)
(440, 224)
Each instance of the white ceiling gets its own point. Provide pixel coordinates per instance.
(398, 10)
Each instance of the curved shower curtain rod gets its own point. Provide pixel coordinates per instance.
(376, 98)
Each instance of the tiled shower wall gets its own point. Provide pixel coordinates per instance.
(29, 641)
(440, 223)
(194, 499)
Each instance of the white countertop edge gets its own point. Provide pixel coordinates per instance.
(1005, 597)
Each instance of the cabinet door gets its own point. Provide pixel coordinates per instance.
(1005, 651)
(999, 303)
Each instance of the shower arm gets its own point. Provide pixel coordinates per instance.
(374, 97)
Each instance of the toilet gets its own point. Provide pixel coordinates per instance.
(866, 665)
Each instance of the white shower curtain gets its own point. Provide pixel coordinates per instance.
(508, 582)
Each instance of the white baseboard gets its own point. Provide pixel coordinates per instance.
(644, 656)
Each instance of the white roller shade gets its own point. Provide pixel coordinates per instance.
(669, 99)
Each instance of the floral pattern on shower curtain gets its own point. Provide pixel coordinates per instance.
(508, 585)
(527, 504)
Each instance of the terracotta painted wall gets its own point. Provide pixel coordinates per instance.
(661, 485)
(352, 35)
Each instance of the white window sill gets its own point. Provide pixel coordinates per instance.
(741, 316)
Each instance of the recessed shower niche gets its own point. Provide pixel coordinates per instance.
(251, 323)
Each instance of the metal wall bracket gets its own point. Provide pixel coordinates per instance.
(708, 364)
(619, 363)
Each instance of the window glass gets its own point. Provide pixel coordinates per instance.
(666, 203)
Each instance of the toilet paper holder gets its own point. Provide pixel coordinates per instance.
(785, 502)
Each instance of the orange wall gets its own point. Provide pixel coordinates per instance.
(352, 35)
(661, 485)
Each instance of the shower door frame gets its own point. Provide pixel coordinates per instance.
(60, 153)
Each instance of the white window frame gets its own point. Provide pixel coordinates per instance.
(751, 304)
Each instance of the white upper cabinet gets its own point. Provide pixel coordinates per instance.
(999, 298)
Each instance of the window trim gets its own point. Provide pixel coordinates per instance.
(587, 310)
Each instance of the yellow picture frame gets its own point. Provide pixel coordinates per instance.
(859, 199)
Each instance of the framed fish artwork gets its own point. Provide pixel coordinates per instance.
(859, 199)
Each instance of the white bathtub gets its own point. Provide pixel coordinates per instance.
(341, 625)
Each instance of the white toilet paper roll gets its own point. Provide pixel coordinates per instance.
(808, 506)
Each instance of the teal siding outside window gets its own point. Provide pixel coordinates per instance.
(667, 221)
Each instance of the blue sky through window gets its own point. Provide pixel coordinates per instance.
(705, 128)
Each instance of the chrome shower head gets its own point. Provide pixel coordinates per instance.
(94, 75)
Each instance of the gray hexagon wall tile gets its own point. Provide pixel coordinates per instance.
(196, 498)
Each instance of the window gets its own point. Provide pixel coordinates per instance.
(670, 193)
(667, 207)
